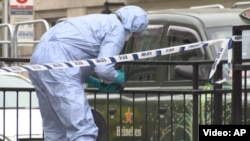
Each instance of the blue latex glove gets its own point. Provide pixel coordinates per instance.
(92, 81)
(120, 78)
(107, 88)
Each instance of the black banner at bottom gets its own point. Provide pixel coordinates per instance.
(208, 132)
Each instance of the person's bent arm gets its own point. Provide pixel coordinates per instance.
(111, 46)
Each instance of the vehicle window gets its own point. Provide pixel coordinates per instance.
(218, 33)
(246, 44)
(148, 40)
(180, 36)
(226, 32)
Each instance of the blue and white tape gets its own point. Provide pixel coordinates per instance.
(227, 44)
(126, 57)
(217, 60)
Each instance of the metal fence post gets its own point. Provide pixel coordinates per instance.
(237, 78)
(218, 97)
(195, 102)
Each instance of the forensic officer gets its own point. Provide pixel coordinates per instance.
(64, 108)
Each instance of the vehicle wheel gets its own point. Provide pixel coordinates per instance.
(101, 124)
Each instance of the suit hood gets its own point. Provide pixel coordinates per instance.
(133, 18)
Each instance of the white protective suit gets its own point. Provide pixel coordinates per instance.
(63, 104)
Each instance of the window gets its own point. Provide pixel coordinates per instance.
(149, 40)
(180, 36)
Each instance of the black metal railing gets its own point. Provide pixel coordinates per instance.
(144, 115)
(139, 114)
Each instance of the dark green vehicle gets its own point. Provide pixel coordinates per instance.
(168, 28)
(177, 27)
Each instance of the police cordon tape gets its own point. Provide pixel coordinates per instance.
(132, 57)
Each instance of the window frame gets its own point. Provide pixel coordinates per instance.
(169, 77)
